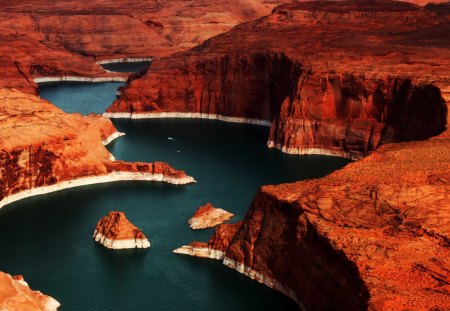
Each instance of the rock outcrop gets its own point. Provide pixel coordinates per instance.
(337, 78)
(374, 235)
(65, 38)
(208, 216)
(43, 149)
(15, 294)
(117, 232)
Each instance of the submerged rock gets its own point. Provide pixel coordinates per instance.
(115, 231)
(208, 216)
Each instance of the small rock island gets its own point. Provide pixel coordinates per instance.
(208, 216)
(115, 231)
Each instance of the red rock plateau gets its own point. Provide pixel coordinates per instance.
(16, 295)
(208, 216)
(336, 78)
(64, 38)
(117, 232)
(43, 149)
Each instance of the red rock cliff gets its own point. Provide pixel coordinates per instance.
(44, 149)
(374, 235)
(335, 78)
(16, 295)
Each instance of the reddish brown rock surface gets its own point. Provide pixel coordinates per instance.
(117, 232)
(208, 216)
(335, 78)
(55, 38)
(42, 149)
(16, 295)
(373, 235)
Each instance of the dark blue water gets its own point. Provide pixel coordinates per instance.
(48, 239)
(126, 67)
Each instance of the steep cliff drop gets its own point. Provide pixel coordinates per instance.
(374, 235)
(117, 232)
(58, 40)
(15, 294)
(208, 216)
(43, 149)
(329, 78)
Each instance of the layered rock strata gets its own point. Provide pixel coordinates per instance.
(68, 39)
(374, 235)
(15, 294)
(208, 216)
(337, 78)
(115, 231)
(43, 149)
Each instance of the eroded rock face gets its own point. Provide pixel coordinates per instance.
(208, 216)
(43, 149)
(374, 235)
(65, 38)
(117, 232)
(332, 78)
(15, 294)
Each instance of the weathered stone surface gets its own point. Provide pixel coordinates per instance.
(117, 232)
(43, 149)
(208, 216)
(374, 235)
(332, 77)
(15, 294)
(64, 38)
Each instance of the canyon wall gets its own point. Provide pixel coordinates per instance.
(43, 149)
(337, 79)
(374, 235)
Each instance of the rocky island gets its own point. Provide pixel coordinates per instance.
(208, 216)
(115, 231)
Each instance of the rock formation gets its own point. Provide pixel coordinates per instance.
(64, 38)
(331, 78)
(43, 149)
(374, 235)
(208, 216)
(117, 232)
(15, 294)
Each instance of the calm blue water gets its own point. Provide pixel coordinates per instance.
(48, 239)
(126, 67)
(78, 97)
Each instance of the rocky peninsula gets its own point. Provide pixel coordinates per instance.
(15, 294)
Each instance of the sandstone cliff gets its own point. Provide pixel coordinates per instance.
(43, 149)
(374, 235)
(331, 78)
(65, 38)
(16, 295)
(117, 232)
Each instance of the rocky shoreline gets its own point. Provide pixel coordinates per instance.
(184, 115)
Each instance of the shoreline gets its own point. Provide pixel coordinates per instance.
(120, 243)
(40, 80)
(125, 60)
(207, 252)
(92, 180)
(314, 151)
(185, 115)
(112, 137)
